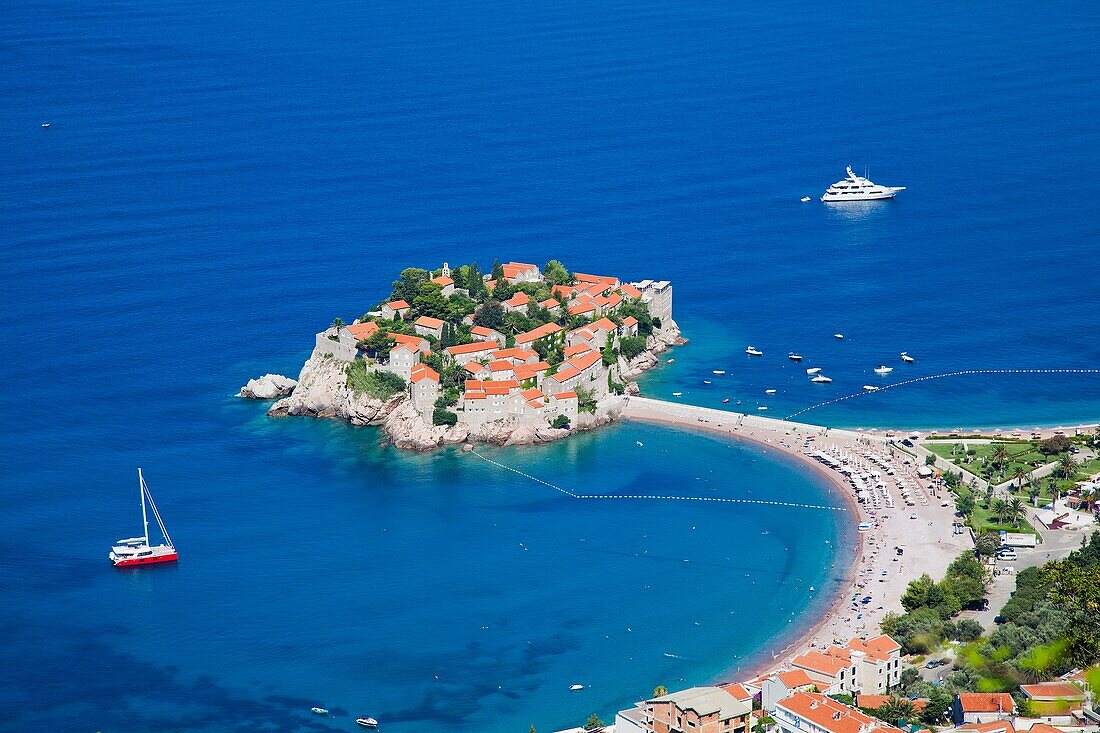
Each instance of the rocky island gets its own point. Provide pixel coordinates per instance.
(520, 355)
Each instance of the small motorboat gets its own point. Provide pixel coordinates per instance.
(813, 370)
(769, 391)
(719, 371)
(906, 358)
(804, 199)
(319, 711)
(670, 361)
(870, 388)
(883, 369)
(794, 357)
(821, 379)
(706, 381)
(677, 394)
(574, 688)
(753, 351)
(838, 336)
(762, 408)
(45, 124)
(725, 400)
(366, 721)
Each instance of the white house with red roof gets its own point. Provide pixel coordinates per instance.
(517, 303)
(394, 309)
(446, 284)
(521, 272)
(782, 685)
(403, 358)
(585, 371)
(477, 351)
(424, 385)
(428, 326)
(549, 333)
(484, 333)
(812, 712)
(982, 707)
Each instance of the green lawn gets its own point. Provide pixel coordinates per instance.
(981, 519)
(1022, 455)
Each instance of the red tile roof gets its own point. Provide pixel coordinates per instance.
(795, 678)
(473, 367)
(605, 324)
(585, 360)
(630, 291)
(527, 371)
(532, 393)
(500, 365)
(576, 349)
(421, 372)
(579, 309)
(515, 353)
(1053, 691)
(520, 298)
(428, 322)
(397, 304)
(500, 388)
(566, 372)
(986, 702)
(483, 331)
(818, 662)
(993, 726)
(363, 331)
(547, 329)
(878, 648)
(630, 321)
(831, 715)
(474, 348)
(550, 303)
(584, 278)
(443, 280)
(738, 691)
(515, 269)
(565, 396)
(414, 343)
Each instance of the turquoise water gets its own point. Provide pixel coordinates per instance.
(221, 180)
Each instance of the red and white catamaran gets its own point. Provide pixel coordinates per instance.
(137, 550)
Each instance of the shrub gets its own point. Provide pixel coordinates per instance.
(631, 346)
(441, 416)
(561, 422)
(378, 384)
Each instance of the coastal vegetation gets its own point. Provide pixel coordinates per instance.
(931, 607)
(382, 385)
(1049, 626)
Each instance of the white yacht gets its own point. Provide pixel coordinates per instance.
(753, 351)
(906, 358)
(813, 370)
(858, 188)
(794, 357)
(821, 379)
(883, 369)
(870, 388)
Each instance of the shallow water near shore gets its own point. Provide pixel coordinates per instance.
(219, 181)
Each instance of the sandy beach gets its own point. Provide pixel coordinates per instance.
(923, 530)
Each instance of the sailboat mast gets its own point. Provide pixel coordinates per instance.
(144, 516)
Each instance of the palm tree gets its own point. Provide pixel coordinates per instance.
(1067, 467)
(1019, 477)
(660, 691)
(1000, 455)
(1015, 511)
(338, 323)
(999, 509)
(896, 709)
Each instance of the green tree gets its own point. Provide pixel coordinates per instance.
(490, 315)
(443, 416)
(986, 544)
(555, 272)
(1014, 512)
(497, 271)
(660, 691)
(1055, 444)
(594, 723)
(1000, 455)
(895, 710)
(561, 422)
(930, 459)
(631, 346)
(935, 710)
(429, 301)
(1067, 467)
(475, 283)
(337, 323)
(964, 504)
(916, 594)
(408, 287)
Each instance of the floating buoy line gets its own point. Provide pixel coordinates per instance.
(657, 497)
(961, 373)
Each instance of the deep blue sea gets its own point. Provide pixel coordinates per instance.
(220, 180)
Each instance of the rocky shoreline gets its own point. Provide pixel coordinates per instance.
(322, 391)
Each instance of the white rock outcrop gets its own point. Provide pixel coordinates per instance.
(268, 387)
(322, 391)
